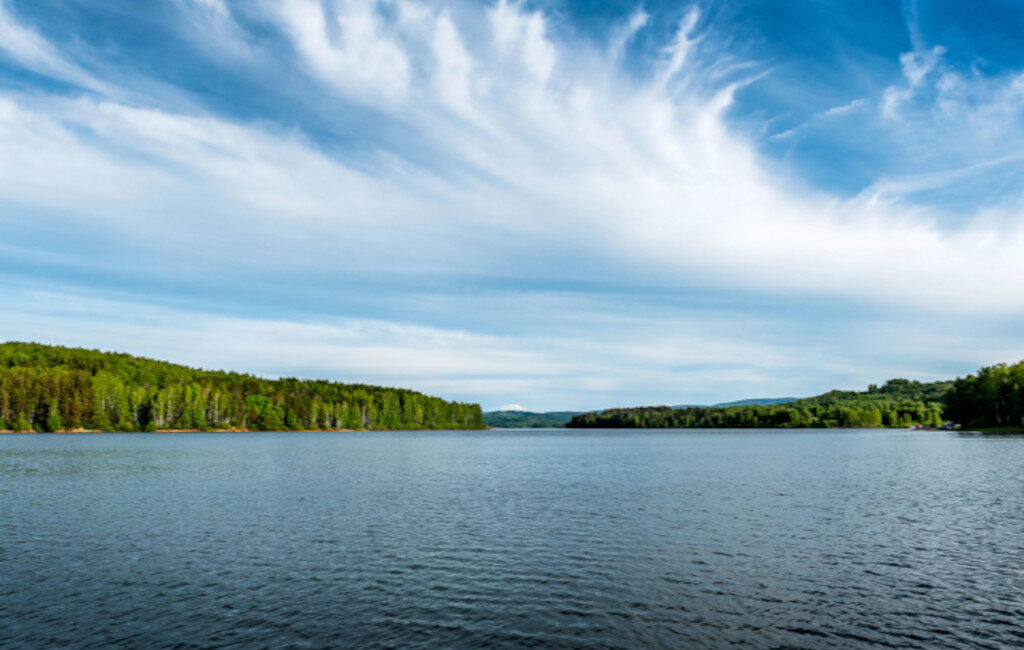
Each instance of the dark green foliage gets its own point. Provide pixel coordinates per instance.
(49, 388)
(527, 419)
(992, 397)
(900, 402)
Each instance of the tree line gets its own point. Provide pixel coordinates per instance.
(897, 403)
(992, 397)
(53, 388)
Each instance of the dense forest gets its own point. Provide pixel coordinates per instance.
(897, 403)
(50, 388)
(992, 397)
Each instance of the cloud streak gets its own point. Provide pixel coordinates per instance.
(498, 153)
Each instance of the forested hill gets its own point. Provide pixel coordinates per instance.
(51, 388)
(899, 402)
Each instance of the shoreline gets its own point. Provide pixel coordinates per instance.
(236, 430)
(990, 431)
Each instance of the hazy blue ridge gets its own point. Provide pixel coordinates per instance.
(528, 419)
(555, 419)
(762, 401)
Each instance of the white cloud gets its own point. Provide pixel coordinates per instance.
(349, 46)
(210, 25)
(943, 120)
(634, 177)
(835, 112)
(916, 67)
(680, 48)
(28, 48)
(549, 369)
(637, 20)
(629, 175)
(534, 164)
(454, 65)
(521, 37)
(42, 161)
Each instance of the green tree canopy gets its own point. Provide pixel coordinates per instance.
(50, 388)
(898, 402)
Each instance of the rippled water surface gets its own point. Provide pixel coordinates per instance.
(512, 539)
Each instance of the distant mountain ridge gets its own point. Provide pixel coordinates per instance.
(759, 401)
(556, 419)
(528, 419)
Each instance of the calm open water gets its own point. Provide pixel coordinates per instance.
(511, 539)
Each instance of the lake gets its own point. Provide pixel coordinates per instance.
(503, 539)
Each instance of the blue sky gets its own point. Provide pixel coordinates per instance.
(547, 203)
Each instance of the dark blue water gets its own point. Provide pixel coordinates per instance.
(512, 539)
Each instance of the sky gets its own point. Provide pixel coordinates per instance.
(560, 205)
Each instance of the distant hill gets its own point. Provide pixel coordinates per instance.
(557, 419)
(528, 419)
(764, 401)
(897, 403)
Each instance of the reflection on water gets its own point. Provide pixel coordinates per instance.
(510, 539)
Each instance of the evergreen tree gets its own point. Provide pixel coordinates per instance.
(51, 387)
(53, 421)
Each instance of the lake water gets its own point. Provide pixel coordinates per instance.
(512, 538)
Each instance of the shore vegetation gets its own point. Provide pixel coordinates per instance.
(53, 388)
(897, 403)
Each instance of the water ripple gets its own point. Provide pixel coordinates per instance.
(569, 540)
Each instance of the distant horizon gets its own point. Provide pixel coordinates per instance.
(716, 404)
(519, 408)
(538, 203)
(270, 270)
(501, 409)
(484, 407)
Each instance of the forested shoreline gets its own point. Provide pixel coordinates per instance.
(53, 388)
(990, 398)
(993, 397)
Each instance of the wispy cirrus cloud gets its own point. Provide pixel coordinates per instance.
(27, 47)
(478, 155)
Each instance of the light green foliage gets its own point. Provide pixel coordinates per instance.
(53, 421)
(900, 402)
(49, 388)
